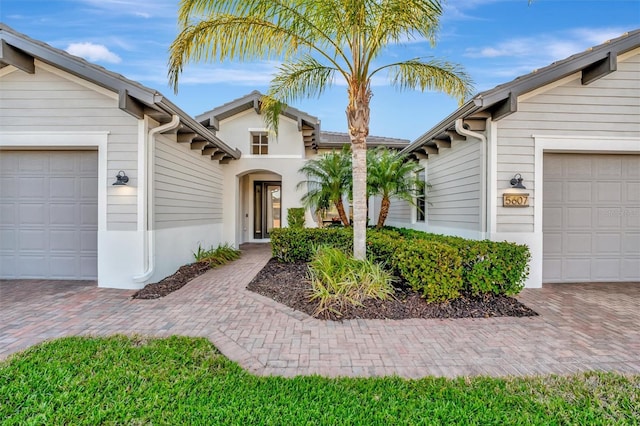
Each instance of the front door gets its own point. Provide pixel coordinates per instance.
(266, 206)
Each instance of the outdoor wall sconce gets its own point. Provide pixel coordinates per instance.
(516, 181)
(517, 199)
(121, 178)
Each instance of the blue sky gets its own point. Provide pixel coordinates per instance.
(495, 41)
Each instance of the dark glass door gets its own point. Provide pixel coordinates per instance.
(266, 208)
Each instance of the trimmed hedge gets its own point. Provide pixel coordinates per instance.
(431, 268)
(438, 266)
(299, 245)
(488, 266)
(295, 217)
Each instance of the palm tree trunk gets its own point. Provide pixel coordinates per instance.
(343, 216)
(358, 115)
(384, 211)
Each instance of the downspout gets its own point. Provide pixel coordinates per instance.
(149, 236)
(483, 189)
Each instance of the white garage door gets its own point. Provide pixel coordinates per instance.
(48, 214)
(591, 219)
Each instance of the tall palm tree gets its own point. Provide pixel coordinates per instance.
(328, 180)
(318, 42)
(390, 174)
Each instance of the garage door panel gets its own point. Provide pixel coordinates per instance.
(632, 171)
(581, 168)
(8, 186)
(552, 218)
(89, 215)
(631, 218)
(31, 187)
(88, 241)
(62, 240)
(553, 270)
(88, 188)
(62, 188)
(631, 244)
(578, 191)
(7, 214)
(578, 218)
(607, 243)
(7, 265)
(64, 214)
(577, 243)
(36, 162)
(88, 268)
(609, 192)
(577, 269)
(633, 192)
(630, 269)
(32, 239)
(553, 242)
(8, 239)
(599, 200)
(607, 218)
(608, 167)
(32, 266)
(32, 214)
(52, 232)
(606, 269)
(61, 265)
(63, 165)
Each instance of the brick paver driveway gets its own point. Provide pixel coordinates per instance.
(580, 327)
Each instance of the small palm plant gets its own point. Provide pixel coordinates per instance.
(328, 180)
(391, 174)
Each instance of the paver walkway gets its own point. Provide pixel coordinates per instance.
(580, 327)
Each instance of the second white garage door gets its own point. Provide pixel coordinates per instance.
(591, 219)
(48, 214)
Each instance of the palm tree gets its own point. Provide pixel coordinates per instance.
(392, 175)
(319, 41)
(328, 180)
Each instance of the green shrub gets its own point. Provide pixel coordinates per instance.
(495, 267)
(488, 266)
(480, 266)
(339, 280)
(224, 253)
(295, 217)
(298, 245)
(431, 268)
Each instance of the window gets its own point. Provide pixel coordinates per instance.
(421, 204)
(259, 143)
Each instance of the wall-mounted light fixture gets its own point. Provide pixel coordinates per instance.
(121, 178)
(516, 181)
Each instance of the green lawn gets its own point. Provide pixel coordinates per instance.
(180, 380)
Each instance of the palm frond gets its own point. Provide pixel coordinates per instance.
(431, 75)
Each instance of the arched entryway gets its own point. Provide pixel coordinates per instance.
(260, 205)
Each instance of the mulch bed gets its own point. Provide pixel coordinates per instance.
(287, 283)
(173, 282)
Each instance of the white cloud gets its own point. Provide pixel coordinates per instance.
(546, 47)
(93, 52)
(141, 8)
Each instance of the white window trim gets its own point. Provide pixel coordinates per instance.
(261, 132)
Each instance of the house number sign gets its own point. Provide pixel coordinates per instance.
(515, 200)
